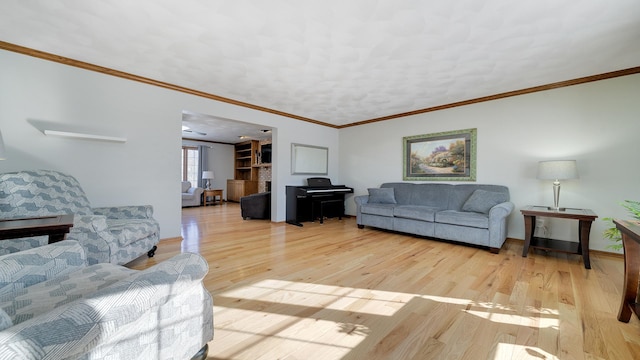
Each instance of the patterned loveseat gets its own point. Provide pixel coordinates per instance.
(54, 306)
(109, 235)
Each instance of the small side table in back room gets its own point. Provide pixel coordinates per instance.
(213, 193)
(584, 216)
(56, 226)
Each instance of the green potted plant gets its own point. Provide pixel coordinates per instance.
(613, 233)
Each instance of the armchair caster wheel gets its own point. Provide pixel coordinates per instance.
(152, 251)
(360, 226)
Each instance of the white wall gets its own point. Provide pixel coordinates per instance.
(595, 123)
(144, 169)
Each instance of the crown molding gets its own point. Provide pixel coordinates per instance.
(104, 70)
(560, 84)
(92, 67)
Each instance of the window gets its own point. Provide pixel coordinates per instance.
(190, 161)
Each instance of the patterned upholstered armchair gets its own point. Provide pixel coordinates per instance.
(54, 306)
(109, 235)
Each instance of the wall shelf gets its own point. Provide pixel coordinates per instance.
(75, 135)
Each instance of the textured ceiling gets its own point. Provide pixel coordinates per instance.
(214, 128)
(337, 61)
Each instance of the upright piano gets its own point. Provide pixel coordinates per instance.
(317, 200)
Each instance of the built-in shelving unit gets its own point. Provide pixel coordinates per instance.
(245, 180)
(245, 158)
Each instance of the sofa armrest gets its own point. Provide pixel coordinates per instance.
(498, 223)
(29, 267)
(361, 199)
(89, 223)
(195, 191)
(501, 210)
(125, 212)
(160, 281)
(92, 232)
(75, 328)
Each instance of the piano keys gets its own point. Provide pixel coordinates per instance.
(317, 200)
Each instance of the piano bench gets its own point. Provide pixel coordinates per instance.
(322, 204)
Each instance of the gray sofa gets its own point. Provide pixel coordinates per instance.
(108, 234)
(469, 213)
(55, 306)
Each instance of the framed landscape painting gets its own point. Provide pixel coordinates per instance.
(445, 156)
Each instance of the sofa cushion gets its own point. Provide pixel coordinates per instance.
(401, 191)
(462, 218)
(41, 193)
(5, 320)
(481, 201)
(128, 231)
(381, 196)
(417, 212)
(435, 195)
(43, 297)
(378, 209)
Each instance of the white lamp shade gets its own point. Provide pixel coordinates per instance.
(557, 170)
(207, 175)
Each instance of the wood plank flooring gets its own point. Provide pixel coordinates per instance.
(334, 291)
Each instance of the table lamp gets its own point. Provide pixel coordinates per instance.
(207, 175)
(557, 170)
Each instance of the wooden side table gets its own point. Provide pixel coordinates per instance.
(213, 193)
(631, 243)
(585, 218)
(56, 227)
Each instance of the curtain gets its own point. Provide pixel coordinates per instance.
(202, 163)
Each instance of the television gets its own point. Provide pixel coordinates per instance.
(265, 153)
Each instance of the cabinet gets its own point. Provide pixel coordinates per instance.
(245, 180)
(239, 188)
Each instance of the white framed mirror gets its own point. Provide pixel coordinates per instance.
(309, 160)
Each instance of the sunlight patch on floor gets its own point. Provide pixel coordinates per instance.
(540, 318)
(514, 351)
(384, 303)
(290, 316)
(284, 333)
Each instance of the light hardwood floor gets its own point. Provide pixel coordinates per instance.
(334, 291)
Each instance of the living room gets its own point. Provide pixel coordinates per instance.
(594, 121)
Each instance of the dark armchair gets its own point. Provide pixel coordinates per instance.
(256, 206)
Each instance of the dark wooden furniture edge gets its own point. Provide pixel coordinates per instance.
(631, 243)
(56, 226)
(584, 228)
